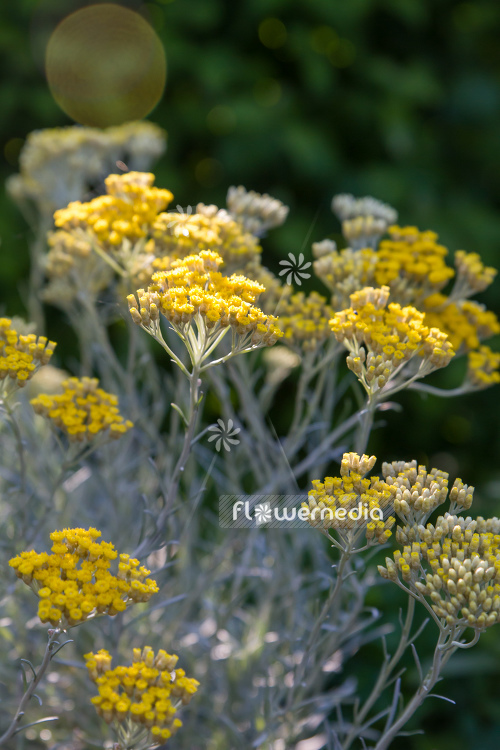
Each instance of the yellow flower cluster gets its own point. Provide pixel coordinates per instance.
(147, 694)
(21, 355)
(351, 501)
(194, 289)
(127, 212)
(381, 338)
(83, 411)
(412, 264)
(181, 234)
(74, 583)
(305, 321)
(465, 323)
(483, 369)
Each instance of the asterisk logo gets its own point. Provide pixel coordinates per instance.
(224, 435)
(178, 225)
(262, 513)
(295, 269)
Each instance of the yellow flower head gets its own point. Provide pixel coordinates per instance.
(465, 323)
(146, 694)
(352, 502)
(484, 366)
(126, 212)
(412, 264)
(75, 583)
(83, 411)
(195, 290)
(21, 356)
(305, 321)
(382, 338)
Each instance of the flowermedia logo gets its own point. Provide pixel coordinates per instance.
(295, 269)
(287, 511)
(224, 435)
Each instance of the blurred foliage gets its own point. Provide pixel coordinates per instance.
(395, 98)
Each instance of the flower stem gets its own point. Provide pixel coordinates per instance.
(37, 677)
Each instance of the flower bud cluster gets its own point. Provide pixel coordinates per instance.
(417, 492)
(146, 694)
(21, 355)
(75, 583)
(463, 582)
(256, 212)
(472, 275)
(83, 411)
(59, 165)
(364, 220)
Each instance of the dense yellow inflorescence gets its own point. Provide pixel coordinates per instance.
(194, 289)
(75, 583)
(21, 355)
(465, 323)
(83, 411)
(483, 367)
(126, 212)
(352, 501)
(412, 264)
(147, 694)
(381, 338)
(304, 319)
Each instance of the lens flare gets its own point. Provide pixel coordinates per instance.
(105, 65)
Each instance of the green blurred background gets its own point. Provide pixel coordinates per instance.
(303, 99)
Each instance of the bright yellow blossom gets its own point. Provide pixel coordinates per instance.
(305, 321)
(142, 699)
(483, 369)
(352, 502)
(75, 583)
(83, 411)
(382, 338)
(21, 356)
(126, 212)
(194, 290)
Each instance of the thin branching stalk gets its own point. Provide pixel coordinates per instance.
(30, 690)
